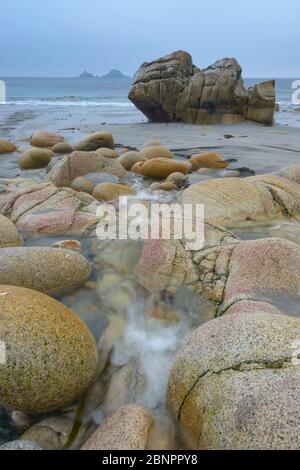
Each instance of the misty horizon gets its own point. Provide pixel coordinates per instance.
(62, 39)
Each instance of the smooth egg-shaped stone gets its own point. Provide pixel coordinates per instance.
(48, 355)
(53, 271)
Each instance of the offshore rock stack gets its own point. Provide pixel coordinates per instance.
(172, 89)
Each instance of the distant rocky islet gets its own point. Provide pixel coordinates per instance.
(114, 74)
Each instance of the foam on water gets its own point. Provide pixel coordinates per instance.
(154, 345)
(85, 104)
(112, 95)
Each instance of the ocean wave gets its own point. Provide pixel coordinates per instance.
(86, 103)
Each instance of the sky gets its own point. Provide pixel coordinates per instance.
(62, 38)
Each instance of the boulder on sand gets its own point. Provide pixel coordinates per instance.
(156, 151)
(209, 160)
(62, 148)
(95, 141)
(161, 167)
(7, 147)
(45, 139)
(151, 143)
(51, 356)
(35, 158)
(112, 191)
(172, 89)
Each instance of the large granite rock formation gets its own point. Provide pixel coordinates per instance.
(173, 89)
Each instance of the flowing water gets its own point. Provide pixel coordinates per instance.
(139, 334)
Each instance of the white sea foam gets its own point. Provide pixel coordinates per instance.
(154, 345)
(101, 104)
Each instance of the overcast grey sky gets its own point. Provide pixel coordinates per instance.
(64, 37)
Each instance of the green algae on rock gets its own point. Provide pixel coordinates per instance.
(51, 356)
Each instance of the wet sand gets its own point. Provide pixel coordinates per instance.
(263, 149)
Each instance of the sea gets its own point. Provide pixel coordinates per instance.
(100, 100)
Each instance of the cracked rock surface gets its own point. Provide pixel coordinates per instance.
(172, 89)
(235, 385)
(232, 201)
(45, 209)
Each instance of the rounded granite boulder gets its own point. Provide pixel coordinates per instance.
(107, 152)
(46, 139)
(9, 235)
(50, 356)
(236, 383)
(209, 160)
(156, 151)
(95, 141)
(151, 143)
(129, 159)
(112, 191)
(83, 163)
(161, 167)
(6, 146)
(35, 158)
(82, 184)
(53, 271)
(62, 148)
(177, 178)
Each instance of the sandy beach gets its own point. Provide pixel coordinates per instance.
(261, 148)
